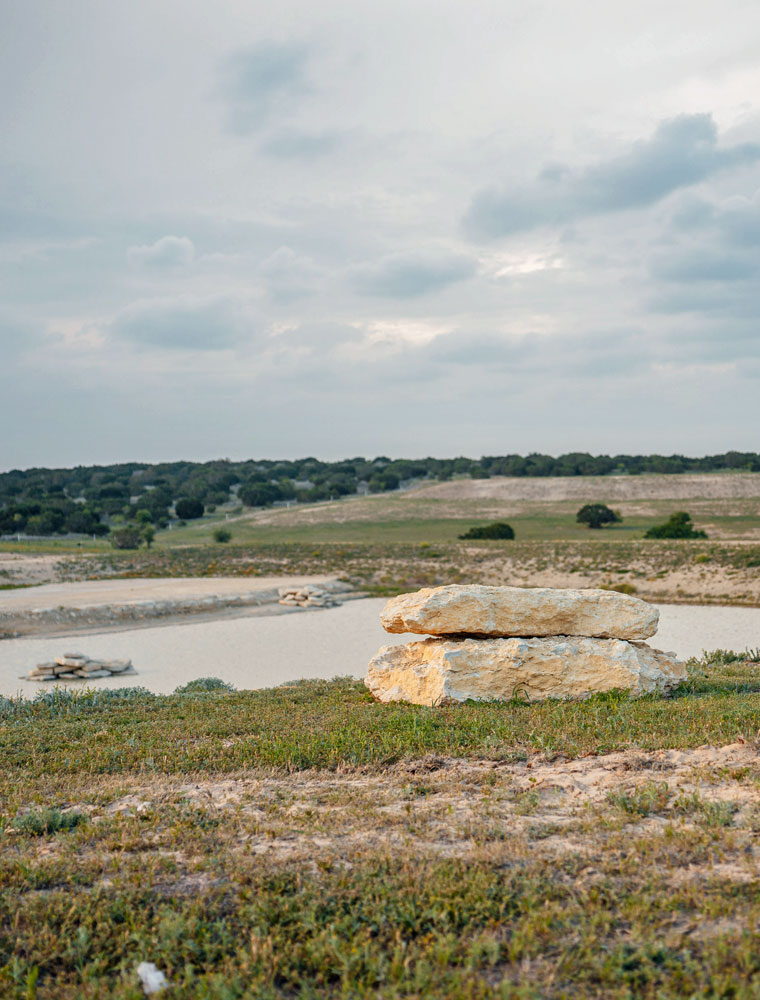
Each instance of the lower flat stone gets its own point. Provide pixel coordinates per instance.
(436, 671)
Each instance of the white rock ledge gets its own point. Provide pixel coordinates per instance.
(438, 671)
(470, 609)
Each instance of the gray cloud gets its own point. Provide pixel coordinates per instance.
(681, 152)
(185, 324)
(408, 275)
(702, 265)
(289, 277)
(262, 80)
(167, 252)
(613, 352)
(291, 144)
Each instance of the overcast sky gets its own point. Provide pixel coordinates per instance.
(357, 228)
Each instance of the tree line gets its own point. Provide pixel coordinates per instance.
(92, 499)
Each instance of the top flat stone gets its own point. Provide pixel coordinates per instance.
(462, 609)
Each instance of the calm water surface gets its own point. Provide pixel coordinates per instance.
(265, 651)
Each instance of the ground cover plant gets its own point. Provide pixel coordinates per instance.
(307, 842)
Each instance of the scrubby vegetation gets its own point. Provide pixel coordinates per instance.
(439, 854)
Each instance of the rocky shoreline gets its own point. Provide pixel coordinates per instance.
(59, 620)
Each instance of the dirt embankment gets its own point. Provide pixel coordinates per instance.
(684, 487)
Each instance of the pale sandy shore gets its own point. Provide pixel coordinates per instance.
(266, 650)
(58, 608)
(96, 593)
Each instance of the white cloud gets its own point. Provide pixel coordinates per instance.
(167, 252)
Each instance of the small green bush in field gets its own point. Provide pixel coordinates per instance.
(678, 525)
(498, 529)
(42, 821)
(222, 535)
(204, 684)
(128, 537)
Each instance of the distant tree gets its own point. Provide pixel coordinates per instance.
(595, 515)
(678, 525)
(222, 535)
(187, 509)
(148, 534)
(259, 494)
(383, 482)
(143, 516)
(498, 529)
(128, 537)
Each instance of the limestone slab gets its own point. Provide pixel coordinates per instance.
(461, 609)
(436, 671)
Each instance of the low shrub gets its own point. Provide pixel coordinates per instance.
(620, 588)
(497, 529)
(678, 525)
(128, 537)
(204, 684)
(39, 822)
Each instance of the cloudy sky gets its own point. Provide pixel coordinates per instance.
(411, 227)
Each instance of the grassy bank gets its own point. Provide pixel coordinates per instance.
(321, 724)
(307, 842)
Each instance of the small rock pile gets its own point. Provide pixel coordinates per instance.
(498, 643)
(309, 596)
(78, 667)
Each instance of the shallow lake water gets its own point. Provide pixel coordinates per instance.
(265, 651)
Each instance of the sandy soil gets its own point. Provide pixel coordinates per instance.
(18, 568)
(96, 593)
(692, 583)
(459, 808)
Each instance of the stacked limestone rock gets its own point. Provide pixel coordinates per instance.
(309, 596)
(497, 643)
(78, 667)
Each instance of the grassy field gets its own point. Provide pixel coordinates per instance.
(308, 842)
(392, 542)
(402, 518)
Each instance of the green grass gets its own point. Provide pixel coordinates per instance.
(335, 724)
(381, 929)
(540, 525)
(178, 878)
(88, 891)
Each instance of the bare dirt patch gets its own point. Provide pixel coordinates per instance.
(686, 487)
(460, 808)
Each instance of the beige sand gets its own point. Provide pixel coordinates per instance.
(97, 593)
(451, 807)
